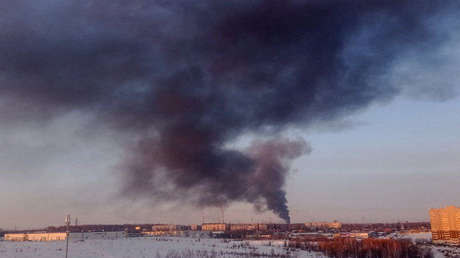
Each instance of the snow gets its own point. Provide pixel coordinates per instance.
(414, 237)
(446, 251)
(150, 247)
(439, 251)
(417, 236)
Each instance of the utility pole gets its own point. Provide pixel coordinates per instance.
(222, 213)
(67, 223)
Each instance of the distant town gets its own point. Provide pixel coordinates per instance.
(441, 233)
(310, 230)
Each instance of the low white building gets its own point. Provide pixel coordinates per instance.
(59, 236)
(40, 236)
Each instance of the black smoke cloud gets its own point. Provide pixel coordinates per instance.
(189, 77)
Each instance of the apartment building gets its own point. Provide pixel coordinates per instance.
(445, 225)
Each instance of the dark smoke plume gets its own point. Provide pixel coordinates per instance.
(189, 77)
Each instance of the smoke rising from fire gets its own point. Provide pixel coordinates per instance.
(188, 78)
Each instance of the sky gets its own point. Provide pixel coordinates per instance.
(159, 112)
(399, 162)
(396, 162)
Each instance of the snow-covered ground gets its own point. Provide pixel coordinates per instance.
(151, 248)
(422, 237)
(446, 251)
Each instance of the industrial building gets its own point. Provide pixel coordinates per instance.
(329, 225)
(445, 225)
(163, 227)
(248, 227)
(195, 227)
(169, 227)
(40, 236)
(59, 236)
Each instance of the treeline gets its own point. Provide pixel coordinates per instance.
(367, 248)
(386, 227)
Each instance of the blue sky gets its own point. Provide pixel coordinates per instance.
(397, 162)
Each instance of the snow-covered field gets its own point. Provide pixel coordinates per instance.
(446, 251)
(150, 247)
(423, 236)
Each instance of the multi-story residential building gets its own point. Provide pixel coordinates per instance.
(445, 224)
(214, 227)
(248, 227)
